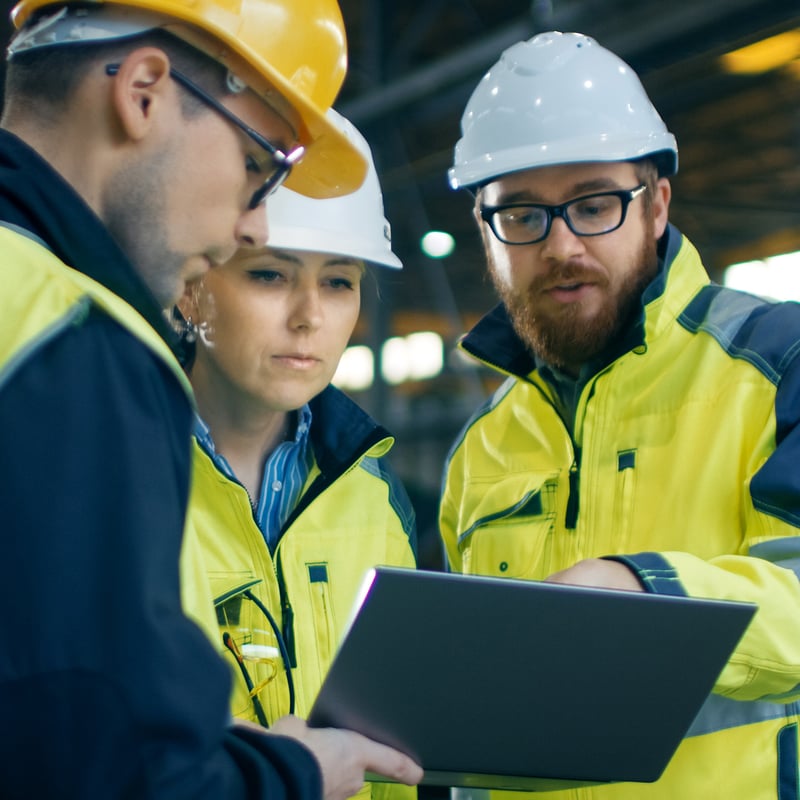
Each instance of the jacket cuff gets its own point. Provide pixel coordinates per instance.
(654, 572)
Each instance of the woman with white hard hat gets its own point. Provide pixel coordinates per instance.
(292, 499)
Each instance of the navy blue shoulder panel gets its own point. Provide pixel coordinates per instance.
(398, 496)
(767, 335)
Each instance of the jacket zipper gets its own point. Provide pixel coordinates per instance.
(573, 499)
(287, 616)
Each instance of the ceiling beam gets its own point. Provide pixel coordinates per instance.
(425, 82)
(641, 32)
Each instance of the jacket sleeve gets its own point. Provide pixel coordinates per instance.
(107, 689)
(766, 663)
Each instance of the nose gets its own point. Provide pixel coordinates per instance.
(252, 228)
(561, 243)
(306, 313)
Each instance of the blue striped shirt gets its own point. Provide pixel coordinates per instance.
(285, 473)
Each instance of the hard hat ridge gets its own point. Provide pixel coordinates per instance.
(558, 98)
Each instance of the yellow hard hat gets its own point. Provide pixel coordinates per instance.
(298, 47)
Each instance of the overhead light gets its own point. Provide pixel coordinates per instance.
(768, 54)
(413, 357)
(356, 370)
(777, 278)
(403, 358)
(437, 244)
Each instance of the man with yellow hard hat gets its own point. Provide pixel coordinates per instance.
(138, 143)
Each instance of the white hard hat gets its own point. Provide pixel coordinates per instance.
(558, 98)
(352, 225)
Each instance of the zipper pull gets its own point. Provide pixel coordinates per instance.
(288, 632)
(573, 500)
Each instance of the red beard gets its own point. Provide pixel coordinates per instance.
(567, 339)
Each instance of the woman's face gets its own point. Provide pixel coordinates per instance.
(273, 324)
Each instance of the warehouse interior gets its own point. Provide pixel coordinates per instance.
(725, 76)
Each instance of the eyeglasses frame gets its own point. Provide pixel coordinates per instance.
(282, 162)
(626, 196)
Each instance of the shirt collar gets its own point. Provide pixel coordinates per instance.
(202, 433)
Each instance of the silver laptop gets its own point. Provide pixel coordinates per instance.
(498, 683)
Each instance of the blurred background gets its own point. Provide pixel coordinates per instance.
(724, 74)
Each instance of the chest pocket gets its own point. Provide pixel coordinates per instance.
(321, 605)
(250, 645)
(513, 541)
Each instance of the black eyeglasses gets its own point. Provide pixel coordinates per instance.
(589, 215)
(282, 163)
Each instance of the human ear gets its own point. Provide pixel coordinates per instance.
(476, 210)
(488, 239)
(141, 85)
(661, 198)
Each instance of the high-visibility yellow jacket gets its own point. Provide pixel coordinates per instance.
(46, 297)
(100, 681)
(682, 461)
(353, 514)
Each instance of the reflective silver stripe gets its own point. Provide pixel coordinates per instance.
(76, 312)
(720, 713)
(786, 696)
(26, 233)
(785, 552)
(462, 793)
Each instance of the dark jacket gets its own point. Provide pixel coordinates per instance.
(106, 689)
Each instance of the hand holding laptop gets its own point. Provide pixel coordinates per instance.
(601, 573)
(344, 757)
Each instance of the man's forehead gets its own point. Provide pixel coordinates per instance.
(544, 182)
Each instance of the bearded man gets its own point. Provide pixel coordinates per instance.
(648, 435)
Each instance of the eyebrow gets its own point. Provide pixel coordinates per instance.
(345, 261)
(334, 261)
(577, 190)
(282, 255)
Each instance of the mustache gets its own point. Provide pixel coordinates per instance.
(567, 274)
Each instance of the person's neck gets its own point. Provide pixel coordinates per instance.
(244, 436)
(247, 453)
